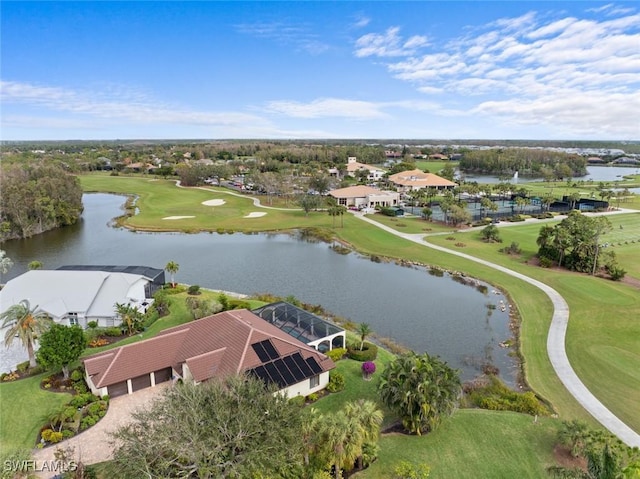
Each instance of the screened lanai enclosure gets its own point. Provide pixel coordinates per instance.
(303, 325)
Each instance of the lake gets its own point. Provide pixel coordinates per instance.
(423, 312)
(594, 173)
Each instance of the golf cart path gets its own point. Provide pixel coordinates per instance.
(555, 340)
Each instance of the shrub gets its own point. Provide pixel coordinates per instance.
(368, 367)
(87, 422)
(545, 262)
(69, 412)
(297, 400)
(80, 387)
(51, 436)
(23, 367)
(67, 433)
(92, 324)
(513, 248)
(336, 354)
(77, 375)
(113, 332)
(194, 289)
(313, 397)
(336, 382)
(369, 352)
(239, 304)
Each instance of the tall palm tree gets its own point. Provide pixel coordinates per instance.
(25, 323)
(172, 268)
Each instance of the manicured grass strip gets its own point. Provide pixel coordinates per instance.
(25, 408)
(472, 444)
(603, 318)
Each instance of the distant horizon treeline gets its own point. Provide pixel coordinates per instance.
(527, 162)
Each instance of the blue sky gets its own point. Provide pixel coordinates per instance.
(281, 70)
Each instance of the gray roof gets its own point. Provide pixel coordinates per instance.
(146, 271)
(93, 293)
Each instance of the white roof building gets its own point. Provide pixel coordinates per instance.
(77, 297)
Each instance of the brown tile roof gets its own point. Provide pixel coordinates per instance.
(419, 178)
(211, 346)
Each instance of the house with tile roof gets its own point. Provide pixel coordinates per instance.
(374, 173)
(76, 297)
(412, 180)
(231, 342)
(362, 196)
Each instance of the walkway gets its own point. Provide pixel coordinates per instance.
(92, 446)
(555, 340)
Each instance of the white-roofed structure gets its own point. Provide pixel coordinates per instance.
(77, 297)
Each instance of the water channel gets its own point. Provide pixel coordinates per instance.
(426, 313)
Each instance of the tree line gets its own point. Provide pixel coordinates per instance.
(37, 198)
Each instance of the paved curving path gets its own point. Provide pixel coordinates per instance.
(555, 341)
(93, 445)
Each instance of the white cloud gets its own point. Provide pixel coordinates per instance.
(299, 36)
(581, 75)
(123, 105)
(361, 21)
(389, 44)
(327, 108)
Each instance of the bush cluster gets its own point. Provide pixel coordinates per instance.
(336, 382)
(369, 352)
(336, 354)
(496, 396)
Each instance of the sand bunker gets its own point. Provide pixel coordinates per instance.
(177, 217)
(255, 214)
(213, 202)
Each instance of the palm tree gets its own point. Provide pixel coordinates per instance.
(24, 323)
(130, 317)
(341, 441)
(35, 265)
(420, 389)
(172, 268)
(364, 330)
(341, 211)
(368, 418)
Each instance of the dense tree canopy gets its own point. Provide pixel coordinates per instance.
(36, 199)
(231, 428)
(421, 389)
(574, 242)
(60, 346)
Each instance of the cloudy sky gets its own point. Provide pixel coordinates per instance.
(414, 70)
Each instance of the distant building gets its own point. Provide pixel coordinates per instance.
(365, 197)
(412, 180)
(374, 173)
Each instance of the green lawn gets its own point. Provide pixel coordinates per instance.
(473, 444)
(602, 338)
(25, 408)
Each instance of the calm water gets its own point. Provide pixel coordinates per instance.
(594, 173)
(423, 312)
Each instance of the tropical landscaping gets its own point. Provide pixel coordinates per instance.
(601, 339)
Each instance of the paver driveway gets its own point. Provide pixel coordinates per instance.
(92, 446)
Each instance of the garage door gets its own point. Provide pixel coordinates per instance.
(162, 375)
(141, 382)
(118, 389)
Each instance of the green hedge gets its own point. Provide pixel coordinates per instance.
(369, 352)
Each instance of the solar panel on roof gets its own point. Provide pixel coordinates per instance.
(293, 367)
(275, 374)
(313, 364)
(261, 372)
(262, 354)
(271, 351)
(302, 364)
(284, 372)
